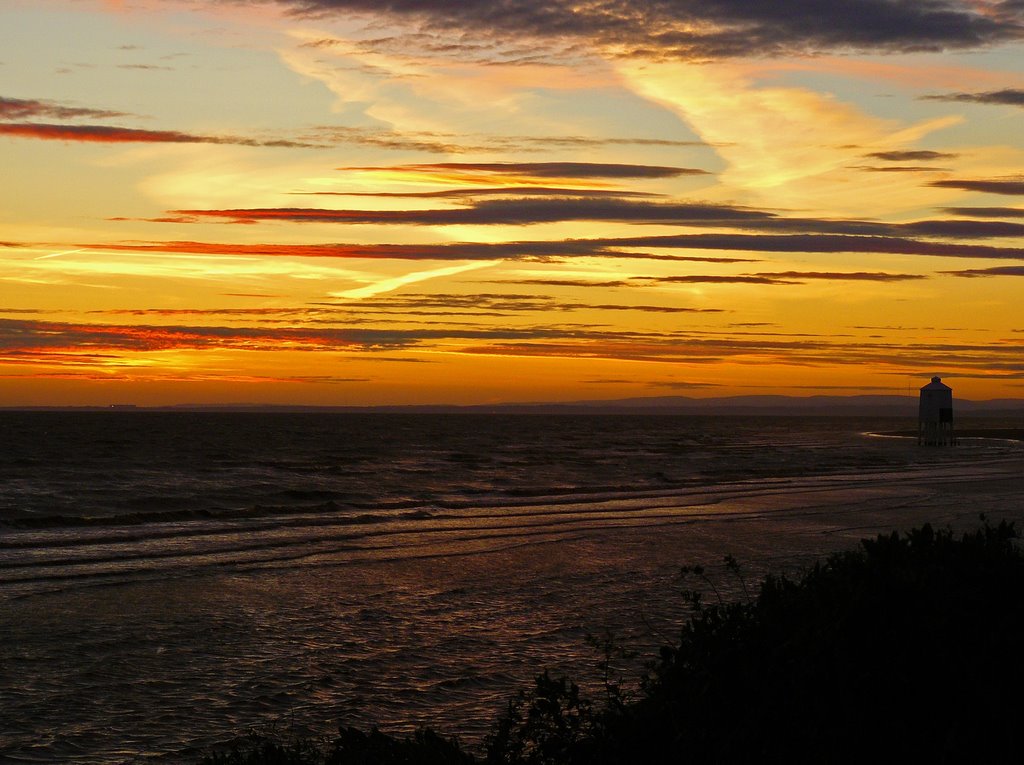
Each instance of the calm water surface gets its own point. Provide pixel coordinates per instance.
(170, 579)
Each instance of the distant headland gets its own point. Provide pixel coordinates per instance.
(751, 405)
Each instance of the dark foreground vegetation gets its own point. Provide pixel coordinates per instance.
(907, 649)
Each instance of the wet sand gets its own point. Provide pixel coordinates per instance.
(1008, 434)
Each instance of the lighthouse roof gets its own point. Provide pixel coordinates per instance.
(936, 384)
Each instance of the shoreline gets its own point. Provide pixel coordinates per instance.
(1001, 434)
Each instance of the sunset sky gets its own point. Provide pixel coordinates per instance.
(353, 202)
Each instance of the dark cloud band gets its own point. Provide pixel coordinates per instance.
(22, 109)
(910, 156)
(553, 208)
(613, 247)
(987, 212)
(563, 170)
(1009, 187)
(1004, 97)
(971, 273)
(710, 28)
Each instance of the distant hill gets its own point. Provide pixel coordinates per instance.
(868, 405)
(801, 405)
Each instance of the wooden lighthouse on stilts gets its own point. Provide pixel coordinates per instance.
(935, 418)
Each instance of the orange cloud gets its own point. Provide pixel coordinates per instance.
(107, 134)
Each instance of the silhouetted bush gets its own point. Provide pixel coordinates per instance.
(351, 747)
(907, 649)
(268, 749)
(547, 725)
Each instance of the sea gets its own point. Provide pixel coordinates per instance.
(172, 580)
